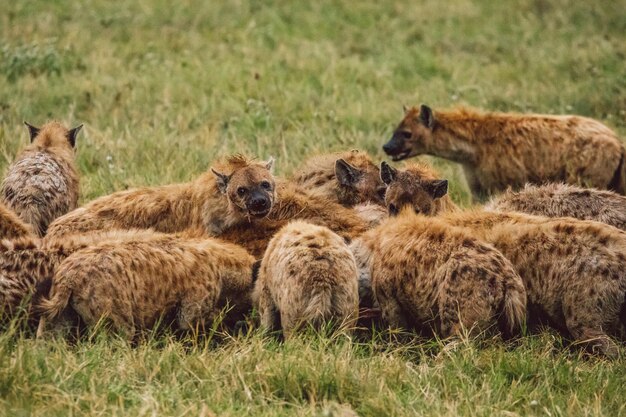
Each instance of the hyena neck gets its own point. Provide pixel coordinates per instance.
(454, 137)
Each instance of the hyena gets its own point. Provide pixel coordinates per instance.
(42, 183)
(11, 226)
(429, 276)
(573, 270)
(133, 283)
(28, 262)
(238, 189)
(307, 276)
(501, 150)
(563, 200)
(348, 178)
(295, 203)
(417, 185)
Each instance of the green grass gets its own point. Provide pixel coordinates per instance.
(164, 88)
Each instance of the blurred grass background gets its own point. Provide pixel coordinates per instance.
(164, 88)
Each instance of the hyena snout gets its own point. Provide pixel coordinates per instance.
(259, 204)
(396, 146)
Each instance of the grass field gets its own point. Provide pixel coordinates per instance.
(165, 87)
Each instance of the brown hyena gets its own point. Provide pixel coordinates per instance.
(307, 276)
(348, 178)
(27, 263)
(42, 183)
(236, 190)
(563, 200)
(134, 283)
(429, 276)
(11, 226)
(501, 150)
(573, 270)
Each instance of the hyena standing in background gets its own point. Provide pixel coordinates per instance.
(563, 200)
(11, 226)
(308, 276)
(135, 282)
(42, 183)
(574, 271)
(348, 178)
(501, 150)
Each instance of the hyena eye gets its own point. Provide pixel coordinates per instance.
(417, 210)
(393, 209)
(266, 185)
(241, 191)
(406, 135)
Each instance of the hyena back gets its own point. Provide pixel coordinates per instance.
(307, 276)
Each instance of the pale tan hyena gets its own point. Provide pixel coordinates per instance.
(11, 226)
(308, 276)
(236, 190)
(429, 276)
(574, 271)
(42, 183)
(348, 178)
(133, 283)
(27, 263)
(501, 150)
(563, 200)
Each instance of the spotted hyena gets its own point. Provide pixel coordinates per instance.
(502, 150)
(238, 189)
(307, 276)
(133, 283)
(429, 276)
(42, 183)
(348, 178)
(564, 200)
(573, 270)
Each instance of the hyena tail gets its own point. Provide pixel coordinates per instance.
(618, 183)
(31, 215)
(52, 306)
(319, 308)
(513, 314)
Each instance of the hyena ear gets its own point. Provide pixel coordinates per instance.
(269, 164)
(32, 131)
(438, 188)
(405, 108)
(222, 180)
(387, 173)
(346, 174)
(426, 116)
(71, 135)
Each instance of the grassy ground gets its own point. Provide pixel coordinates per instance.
(163, 88)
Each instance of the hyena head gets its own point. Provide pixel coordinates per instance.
(53, 134)
(359, 180)
(412, 187)
(248, 185)
(412, 135)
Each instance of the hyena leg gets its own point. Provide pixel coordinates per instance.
(197, 308)
(269, 314)
(587, 321)
(391, 310)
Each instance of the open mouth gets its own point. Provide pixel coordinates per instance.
(259, 214)
(400, 156)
